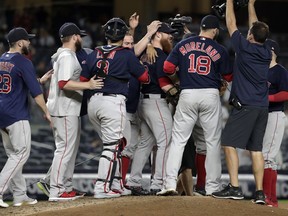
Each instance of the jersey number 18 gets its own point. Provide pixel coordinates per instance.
(200, 65)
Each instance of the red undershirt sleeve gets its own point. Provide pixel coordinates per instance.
(169, 68)
(163, 81)
(279, 97)
(62, 83)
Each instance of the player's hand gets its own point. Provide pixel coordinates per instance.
(186, 30)
(48, 118)
(46, 76)
(252, 1)
(151, 54)
(153, 27)
(96, 83)
(134, 20)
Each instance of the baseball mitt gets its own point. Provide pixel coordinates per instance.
(172, 95)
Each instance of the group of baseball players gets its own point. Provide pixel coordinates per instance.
(127, 91)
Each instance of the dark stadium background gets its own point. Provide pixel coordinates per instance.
(46, 16)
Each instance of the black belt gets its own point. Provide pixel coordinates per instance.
(105, 94)
(148, 96)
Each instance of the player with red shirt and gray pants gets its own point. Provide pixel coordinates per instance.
(201, 61)
(107, 107)
(278, 94)
(64, 104)
(17, 81)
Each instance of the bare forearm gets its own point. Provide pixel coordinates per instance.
(142, 44)
(93, 83)
(75, 85)
(230, 17)
(39, 99)
(252, 13)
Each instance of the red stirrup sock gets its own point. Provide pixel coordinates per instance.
(267, 182)
(125, 167)
(274, 188)
(201, 172)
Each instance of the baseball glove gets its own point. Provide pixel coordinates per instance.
(172, 95)
(223, 87)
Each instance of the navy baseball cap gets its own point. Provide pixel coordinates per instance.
(210, 22)
(273, 45)
(17, 34)
(165, 28)
(68, 29)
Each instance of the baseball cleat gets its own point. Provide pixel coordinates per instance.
(199, 192)
(63, 197)
(110, 194)
(3, 204)
(138, 191)
(229, 192)
(77, 193)
(123, 192)
(259, 197)
(270, 203)
(167, 192)
(44, 187)
(26, 201)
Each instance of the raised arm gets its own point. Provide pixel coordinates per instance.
(252, 13)
(133, 23)
(230, 17)
(142, 44)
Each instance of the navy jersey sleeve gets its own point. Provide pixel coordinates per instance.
(28, 74)
(225, 66)
(135, 67)
(88, 67)
(173, 57)
(282, 75)
(238, 41)
(159, 64)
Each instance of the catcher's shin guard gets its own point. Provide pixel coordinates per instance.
(106, 163)
(117, 160)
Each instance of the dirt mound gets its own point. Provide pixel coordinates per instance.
(149, 205)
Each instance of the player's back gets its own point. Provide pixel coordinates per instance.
(120, 64)
(201, 61)
(16, 78)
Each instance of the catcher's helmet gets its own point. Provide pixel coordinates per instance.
(115, 29)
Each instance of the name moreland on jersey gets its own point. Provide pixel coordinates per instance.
(201, 47)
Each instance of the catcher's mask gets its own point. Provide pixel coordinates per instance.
(115, 29)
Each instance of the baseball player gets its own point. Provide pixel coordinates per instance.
(278, 94)
(44, 184)
(64, 104)
(246, 124)
(193, 163)
(132, 127)
(201, 61)
(107, 107)
(155, 115)
(17, 81)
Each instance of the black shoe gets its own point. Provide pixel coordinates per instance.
(44, 187)
(199, 192)
(138, 191)
(154, 191)
(259, 197)
(229, 192)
